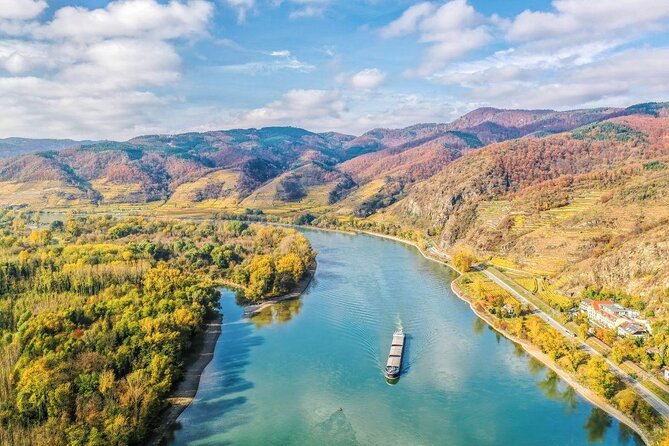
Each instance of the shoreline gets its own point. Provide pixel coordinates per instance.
(182, 396)
(252, 310)
(533, 351)
(415, 245)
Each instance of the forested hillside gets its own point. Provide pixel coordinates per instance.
(97, 316)
(589, 206)
(575, 192)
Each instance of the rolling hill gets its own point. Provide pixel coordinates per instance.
(284, 169)
(591, 204)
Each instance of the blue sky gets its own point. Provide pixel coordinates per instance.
(100, 69)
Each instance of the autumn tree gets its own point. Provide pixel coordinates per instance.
(463, 260)
(599, 378)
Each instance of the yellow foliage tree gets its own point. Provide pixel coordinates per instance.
(463, 260)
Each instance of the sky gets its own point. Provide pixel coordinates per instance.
(101, 69)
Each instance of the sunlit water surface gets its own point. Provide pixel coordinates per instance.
(309, 371)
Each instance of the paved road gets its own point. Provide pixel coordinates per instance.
(543, 315)
(651, 398)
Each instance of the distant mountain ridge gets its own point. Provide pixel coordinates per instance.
(10, 147)
(590, 204)
(270, 167)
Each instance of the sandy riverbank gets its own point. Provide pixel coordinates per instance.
(185, 392)
(252, 310)
(570, 379)
(183, 395)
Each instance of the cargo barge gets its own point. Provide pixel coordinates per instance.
(394, 364)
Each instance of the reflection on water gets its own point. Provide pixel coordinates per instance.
(223, 388)
(518, 350)
(626, 435)
(598, 423)
(535, 366)
(479, 326)
(553, 387)
(309, 371)
(278, 313)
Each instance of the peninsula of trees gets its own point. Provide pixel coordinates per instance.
(97, 316)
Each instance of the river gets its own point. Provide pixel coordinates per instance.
(308, 372)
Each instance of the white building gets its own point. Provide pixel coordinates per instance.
(609, 314)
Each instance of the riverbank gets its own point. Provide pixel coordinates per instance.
(415, 245)
(570, 379)
(185, 392)
(252, 310)
(530, 348)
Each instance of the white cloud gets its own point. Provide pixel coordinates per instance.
(451, 17)
(452, 30)
(519, 64)
(368, 79)
(548, 53)
(308, 8)
(242, 7)
(631, 76)
(93, 72)
(36, 107)
(579, 20)
(131, 18)
(281, 53)
(281, 60)
(21, 9)
(408, 21)
(17, 56)
(124, 63)
(307, 11)
(296, 107)
(459, 44)
(338, 110)
(300, 8)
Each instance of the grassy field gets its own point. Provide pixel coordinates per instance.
(41, 194)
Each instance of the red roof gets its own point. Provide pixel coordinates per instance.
(596, 304)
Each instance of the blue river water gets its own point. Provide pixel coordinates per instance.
(308, 372)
